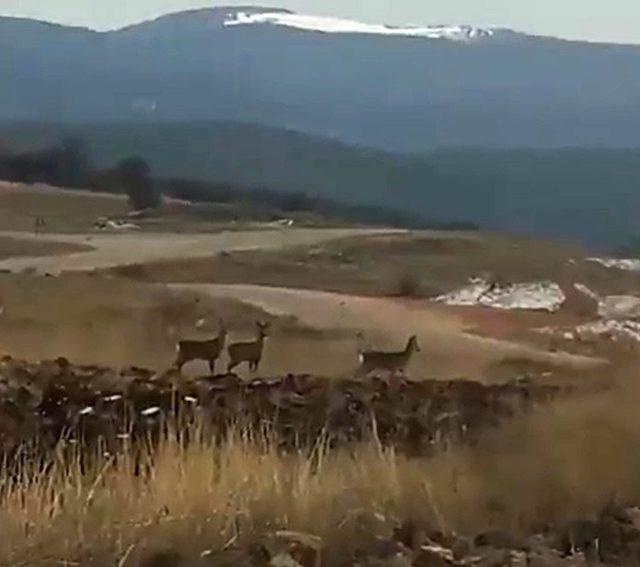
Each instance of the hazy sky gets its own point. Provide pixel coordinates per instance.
(598, 20)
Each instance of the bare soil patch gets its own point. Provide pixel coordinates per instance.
(415, 264)
(16, 247)
(113, 322)
(63, 211)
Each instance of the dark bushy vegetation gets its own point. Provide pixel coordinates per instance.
(290, 202)
(590, 194)
(134, 175)
(68, 165)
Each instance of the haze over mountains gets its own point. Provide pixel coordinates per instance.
(512, 131)
(398, 92)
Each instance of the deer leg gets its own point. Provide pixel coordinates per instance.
(231, 366)
(212, 365)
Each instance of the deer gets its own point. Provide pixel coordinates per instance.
(249, 352)
(371, 360)
(208, 351)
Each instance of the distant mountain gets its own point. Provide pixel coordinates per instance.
(591, 195)
(404, 89)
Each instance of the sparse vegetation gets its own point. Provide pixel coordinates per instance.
(218, 497)
(13, 247)
(408, 285)
(524, 470)
(422, 264)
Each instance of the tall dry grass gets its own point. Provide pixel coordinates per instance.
(562, 463)
(199, 496)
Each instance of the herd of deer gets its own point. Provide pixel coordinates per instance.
(250, 352)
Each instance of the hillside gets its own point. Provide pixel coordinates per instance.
(587, 194)
(399, 89)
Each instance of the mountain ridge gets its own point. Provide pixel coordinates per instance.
(217, 11)
(404, 94)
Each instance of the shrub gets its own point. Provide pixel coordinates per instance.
(134, 176)
(408, 285)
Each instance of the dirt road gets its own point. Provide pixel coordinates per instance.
(446, 350)
(111, 250)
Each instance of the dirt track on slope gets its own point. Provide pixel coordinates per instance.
(447, 351)
(111, 250)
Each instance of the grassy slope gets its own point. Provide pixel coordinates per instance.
(396, 265)
(13, 247)
(115, 322)
(63, 211)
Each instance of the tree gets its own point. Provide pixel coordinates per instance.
(134, 176)
(74, 164)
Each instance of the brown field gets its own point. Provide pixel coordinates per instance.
(212, 504)
(73, 211)
(528, 482)
(15, 247)
(94, 320)
(402, 269)
(63, 211)
(416, 265)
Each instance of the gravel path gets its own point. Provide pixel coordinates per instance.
(111, 250)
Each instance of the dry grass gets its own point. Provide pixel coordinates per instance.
(114, 322)
(75, 211)
(63, 211)
(94, 320)
(15, 247)
(567, 461)
(379, 265)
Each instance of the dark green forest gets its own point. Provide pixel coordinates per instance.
(588, 194)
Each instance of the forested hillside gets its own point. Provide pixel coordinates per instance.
(591, 194)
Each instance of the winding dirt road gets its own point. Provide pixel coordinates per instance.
(447, 350)
(112, 250)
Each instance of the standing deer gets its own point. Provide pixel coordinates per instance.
(249, 352)
(371, 360)
(208, 351)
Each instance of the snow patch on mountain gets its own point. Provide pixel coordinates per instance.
(325, 24)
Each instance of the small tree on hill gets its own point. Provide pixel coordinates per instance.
(134, 176)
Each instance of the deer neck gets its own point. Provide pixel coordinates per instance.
(408, 351)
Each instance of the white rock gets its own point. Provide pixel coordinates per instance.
(628, 264)
(619, 307)
(150, 411)
(537, 296)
